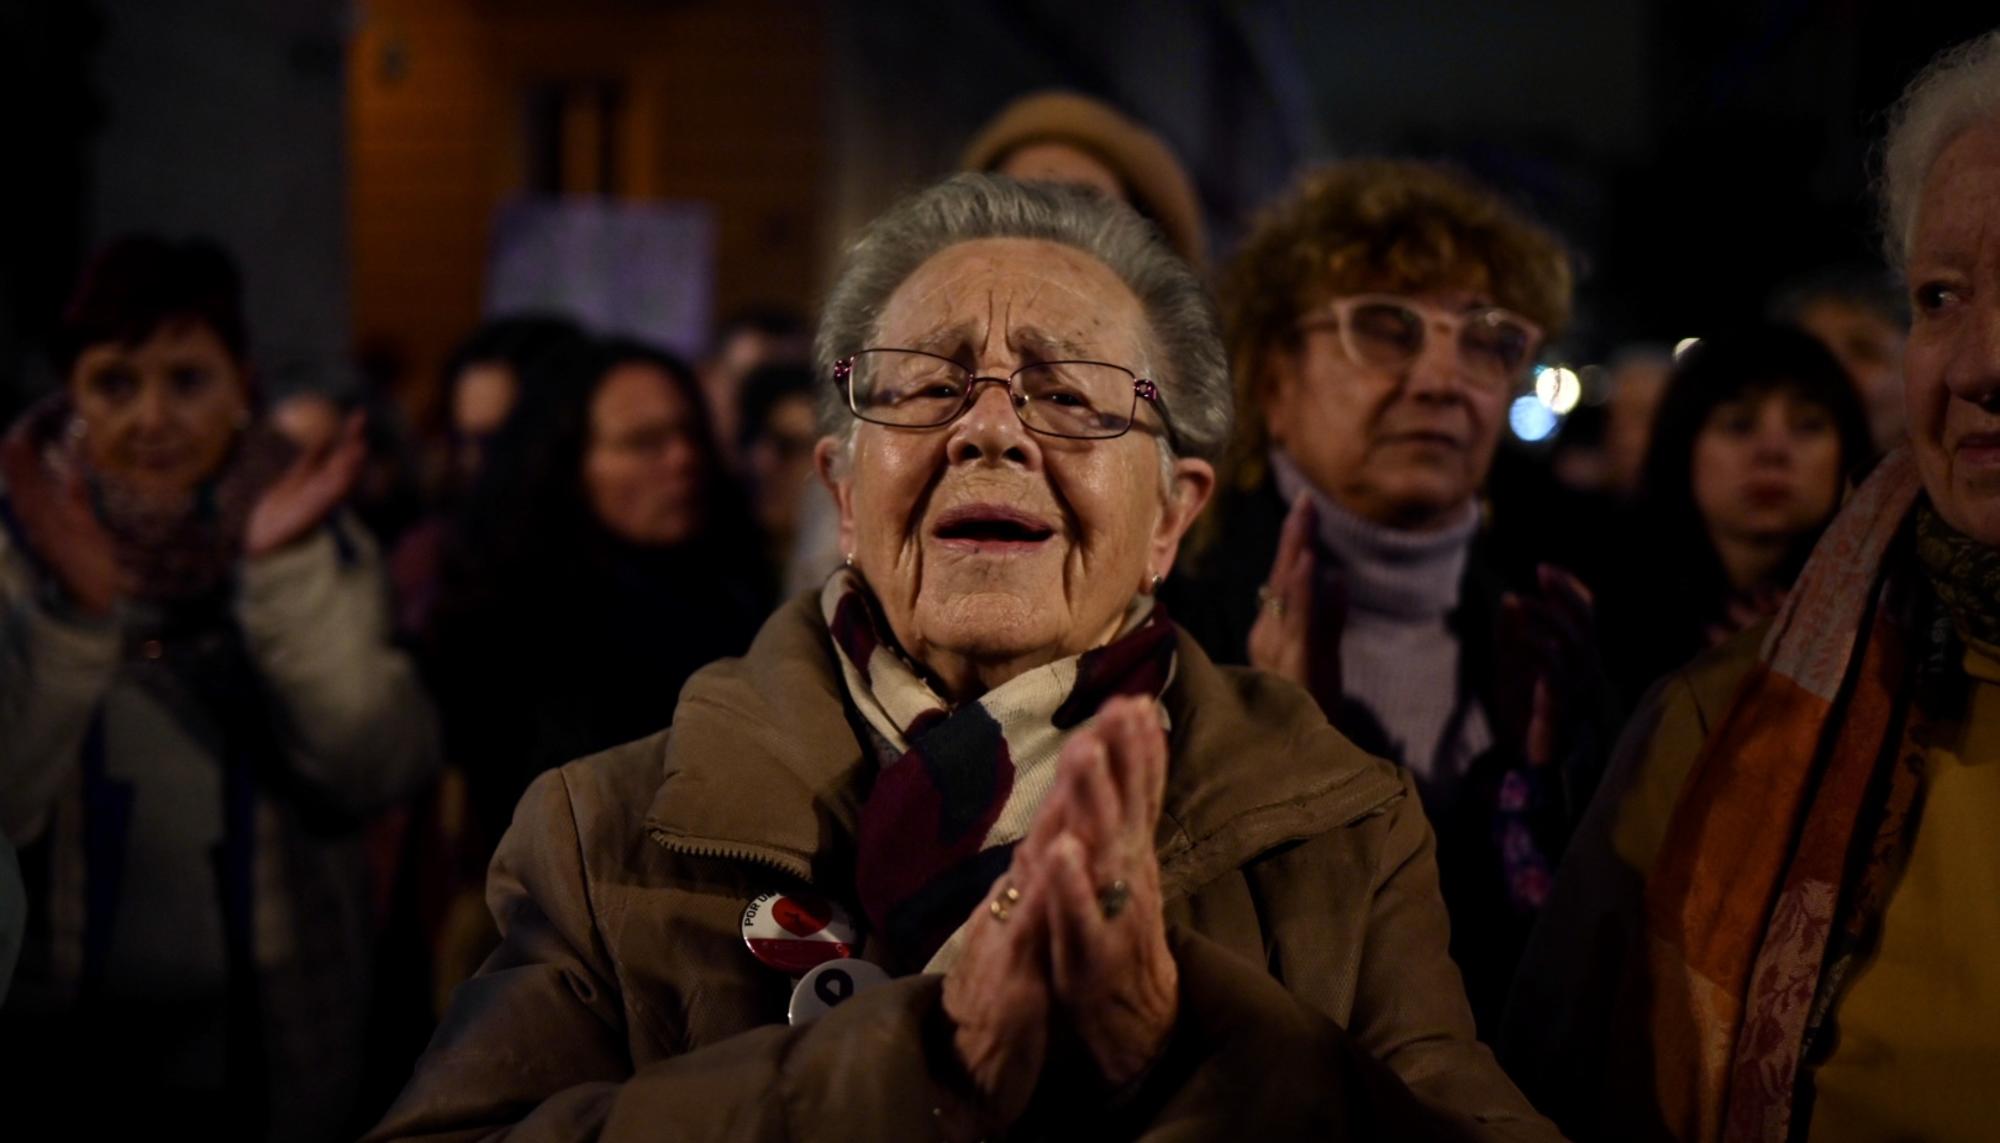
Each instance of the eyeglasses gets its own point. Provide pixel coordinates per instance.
(1079, 400)
(1385, 332)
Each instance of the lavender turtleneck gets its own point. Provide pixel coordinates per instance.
(1398, 655)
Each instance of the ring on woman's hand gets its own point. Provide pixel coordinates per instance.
(1271, 599)
(1113, 898)
(1007, 899)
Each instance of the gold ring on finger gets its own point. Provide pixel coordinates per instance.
(1000, 905)
(1266, 597)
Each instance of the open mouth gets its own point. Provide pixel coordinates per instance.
(1980, 449)
(988, 526)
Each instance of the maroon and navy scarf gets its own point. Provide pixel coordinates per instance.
(959, 785)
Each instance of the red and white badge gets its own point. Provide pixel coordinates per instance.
(795, 932)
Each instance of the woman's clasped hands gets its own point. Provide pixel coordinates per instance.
(1068, 955)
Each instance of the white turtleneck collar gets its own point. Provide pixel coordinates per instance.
(1389, 571)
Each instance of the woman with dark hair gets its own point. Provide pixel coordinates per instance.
(485, 377)
(199, 706)
(601, 559)
(1758, 436)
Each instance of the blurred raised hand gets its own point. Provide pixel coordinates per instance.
(315, 484)
(55, 515)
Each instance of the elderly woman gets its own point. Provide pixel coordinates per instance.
(1119, 890)
(1781, 920)
(1380, 317)
(199, 705)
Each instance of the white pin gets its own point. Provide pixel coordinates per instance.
(831, 985)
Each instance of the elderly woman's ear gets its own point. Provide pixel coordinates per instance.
(830, 461)
(1187, 494)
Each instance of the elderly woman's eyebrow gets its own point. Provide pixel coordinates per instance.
(1041, 344)
(1049, 346)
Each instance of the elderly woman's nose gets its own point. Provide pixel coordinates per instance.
(1974, 372)
(992, 429)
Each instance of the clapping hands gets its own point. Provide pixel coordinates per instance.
(1071, 944)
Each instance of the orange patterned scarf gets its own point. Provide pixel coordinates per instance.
(1746, 898)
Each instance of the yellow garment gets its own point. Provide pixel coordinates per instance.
(1918, 1054)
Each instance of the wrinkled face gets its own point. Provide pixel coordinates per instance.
(1053, 162)
(643, 471)
(1952, 366)
(779, 464)
(1766, 467)
(1870, 347)
(991, 548)
(159, 417)
(480, 402)
(1405, 449)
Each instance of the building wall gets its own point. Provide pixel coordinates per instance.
(718, 101)
(223, 117)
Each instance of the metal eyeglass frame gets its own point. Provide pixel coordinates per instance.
(1143, 389)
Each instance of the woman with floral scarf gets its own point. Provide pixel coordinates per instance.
(1781, 919)
(198, 705)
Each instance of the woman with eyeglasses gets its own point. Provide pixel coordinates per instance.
(974, 843)
(1381, 316)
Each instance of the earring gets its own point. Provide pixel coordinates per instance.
(1157, 580)
(77, 429)
(848, 560)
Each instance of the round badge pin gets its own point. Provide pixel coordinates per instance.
(831, 985)
(795, 932)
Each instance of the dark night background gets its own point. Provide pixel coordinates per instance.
(1696, 154)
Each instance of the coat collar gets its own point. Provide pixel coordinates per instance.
(764, 765)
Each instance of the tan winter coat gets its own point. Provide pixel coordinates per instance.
(1301, 898)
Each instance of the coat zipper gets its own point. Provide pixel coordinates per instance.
(749, 855)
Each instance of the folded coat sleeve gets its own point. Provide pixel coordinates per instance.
(359, 726)
(1257, 1051)
(535, 1046)
(54, 672)
(1402, 1060)
(1410, 1010)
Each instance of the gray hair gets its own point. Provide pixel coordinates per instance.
(1959, 89)
(1183, 342)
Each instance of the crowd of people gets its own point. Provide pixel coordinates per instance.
(1155, 694)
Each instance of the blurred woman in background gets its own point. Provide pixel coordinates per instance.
(602, 558)
(1758, 436)
(199, 704)
(779, 428)
(1381, 316)
(485, 377)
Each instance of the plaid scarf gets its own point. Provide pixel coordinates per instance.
(1789, 835)
(958, 786)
